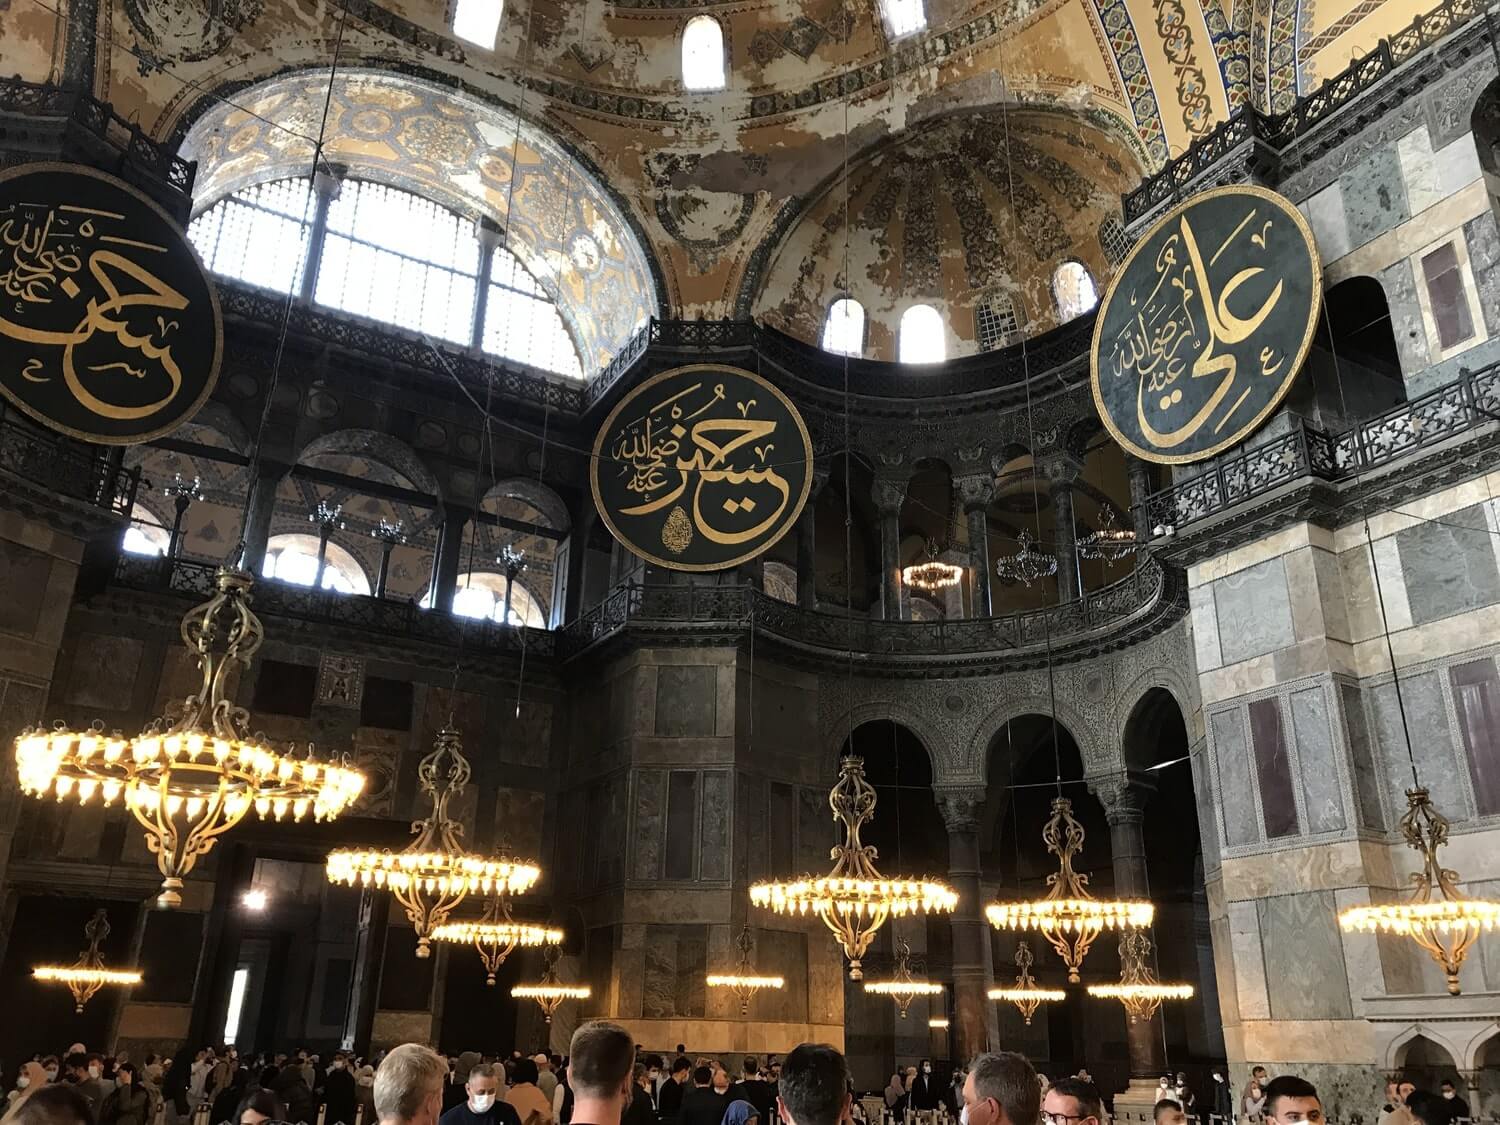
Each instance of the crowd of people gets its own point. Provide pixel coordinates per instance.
(604, 1070)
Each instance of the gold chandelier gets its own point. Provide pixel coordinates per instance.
(902, 986)
(1068, 916)
(196, 779)
(550, 992)
(1139, 989)
(745, 982)
(496, 936)
(854, 899)
(87, 975)
(1025, 994)
(931, 574)
(1434, 916)
(434, 873)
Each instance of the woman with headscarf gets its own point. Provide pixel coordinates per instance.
(895, 1094)
(741, 1113)
(31, 1079)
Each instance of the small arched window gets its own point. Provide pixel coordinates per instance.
(481, 594)
(1113, 240)
(844, 330)
(145, 535)
(921, 338)
(996, 321)
(703, 54)
(1073, 289)
(478, 21)
(903, 17)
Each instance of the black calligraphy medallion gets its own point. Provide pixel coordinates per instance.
(702, 467)
(109, 328)
(1206, 324)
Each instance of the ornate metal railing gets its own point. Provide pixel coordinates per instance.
(1281, 129)
(55, 465)
(99, 120)
(352, 611)
(1148, 588)
(1306, 452)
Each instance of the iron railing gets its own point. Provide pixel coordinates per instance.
(327, 607)
(1306, 452)
(62, 467)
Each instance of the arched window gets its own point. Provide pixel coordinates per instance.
(703, 54)
(145, 535)
(478, 21)
(844, 330)
(294, 559)
(1073, 289)
(1113, 240)
(391, 256)
(921, 339)
(903, 17)
(481, 594)
(995, 321)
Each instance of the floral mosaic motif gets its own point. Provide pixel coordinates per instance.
(1260, 91)
(1232, 49)
(173, 31)
(920, 246)
(1132, 63)
(983, 260)
(1282, 55)
(1192, 84)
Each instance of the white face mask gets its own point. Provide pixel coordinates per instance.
(963, 1116)
(479, 1103)
(1450, 1093)
(52, 1074)
(23, 1081)
(95, 1071)
(926, 1068)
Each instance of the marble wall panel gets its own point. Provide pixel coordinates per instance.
(781, 953)
(20, 706)
(659, 980)
(1484, 258)
(1254, 611)
(1325, 214)
(685, 696)
(690, 993)
(519, 815)
(751, 845)
(525, 739)
(1400, 285)
(1374, 195)
(1249, 962)
(715, 826)
(1224, 969)
(101, 671)
(1362, 765)
(1322, 793)
(1273, 769)
(1227, 736)
(613, 829)
(24, 575)
(814, 829)
(782, 826)
(1449, 567)
(1426, 719)
(650, 823)
(682, 824)
(1304, 954)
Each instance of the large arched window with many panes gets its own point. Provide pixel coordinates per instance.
(921, 338)
(703, 54)
(844, 330)
(389, 255)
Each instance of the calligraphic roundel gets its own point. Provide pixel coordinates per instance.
(702, 467)
(109, 328)
(1206, 324)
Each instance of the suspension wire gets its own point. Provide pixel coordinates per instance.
(254, 483)
(848, 408)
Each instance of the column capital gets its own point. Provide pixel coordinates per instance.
(960, 806)
(1123, 795)
(819, 482)
(488, 232)
(888, 493)
(975, 490)
(328, 180)
(1059, 467)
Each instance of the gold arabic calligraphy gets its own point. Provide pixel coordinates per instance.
(1182, 327)
(52, 256)
(683, 442)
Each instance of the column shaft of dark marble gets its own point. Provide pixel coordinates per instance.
(445, 561)
(1066, 544)
(81, 47)
(1140, 488)
(979, 552)
(889, 494)
(369, 958)
(807, 558)
(258, 516)
(221, 943)
(976, 1025)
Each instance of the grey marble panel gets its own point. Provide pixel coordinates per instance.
(1400, 285)
(1449, 567)
(101, 671)
(1431, 743)
(24, 574)
(612, 855)
(659, 984)
(1304, 957)
(1208, 822)
(1254, 611)
(1322, 796)
(750, 843)
(814, 829)
(20, 706)
(784, 954)
(682, 824)
(519, 815)
(782, 827)
(1484, 257)
(685, 701)
(1367, 783)
(1374, 194)
(692, 966)
(650, 823)
(1227, 730)
(714, 833)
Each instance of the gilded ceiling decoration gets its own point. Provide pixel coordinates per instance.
(416, 135)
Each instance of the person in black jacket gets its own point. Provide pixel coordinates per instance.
(641, 1110)
(291, 1090)
(755, 1090)
(228, 1099)
(669, 1101)
(923, 1094)
(484, 1105)
(339, 1101)
(701, 1105)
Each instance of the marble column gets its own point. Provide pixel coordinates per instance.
(1140, 488)
(446, 559)
(976, 1025)
(1124, 796)
(807, 545)
(889, 495)
(326, 185)
(1060, 469)
(262, 508)
(975, 492)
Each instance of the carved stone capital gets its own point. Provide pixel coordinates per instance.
(1059, 468)
(888, 494)
(960, 807)
(1123, 795)
(975, 491)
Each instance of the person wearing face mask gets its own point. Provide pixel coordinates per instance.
(641, 1110)
(483, 1105)
(1458, 1105)
(76, 1068)
(1223, 1106)
(50, 1068)
(364, 1089)
(339, 1100)
(1002, 1089)
(755, 1090)
(31, 1079)
(128, 1103)
(922, 1094)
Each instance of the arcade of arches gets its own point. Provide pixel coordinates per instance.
(447, 239)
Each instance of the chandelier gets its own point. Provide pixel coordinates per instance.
(1027, 565)
(191, 782)
(902, 987)
(1139, 989)
(434, 873)
(1108, 541)
(1068, 916)
(1433, 916)
(938, 1023)
(550, 992)
(745, 983)
(496, 936)
(854, 899)
(87, 975)
(932, 574)
(1025, 994)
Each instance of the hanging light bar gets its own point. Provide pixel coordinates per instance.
(550, 992)
(745, 982)
(86, 976)
(1139, 989)
(1027, 565)
(1025, 994)
(902, 986)
(496, 936)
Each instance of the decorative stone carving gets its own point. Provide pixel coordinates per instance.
(961, 807)
(888, 495)
(1123, 795)
(341, 680)
(975, 491)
